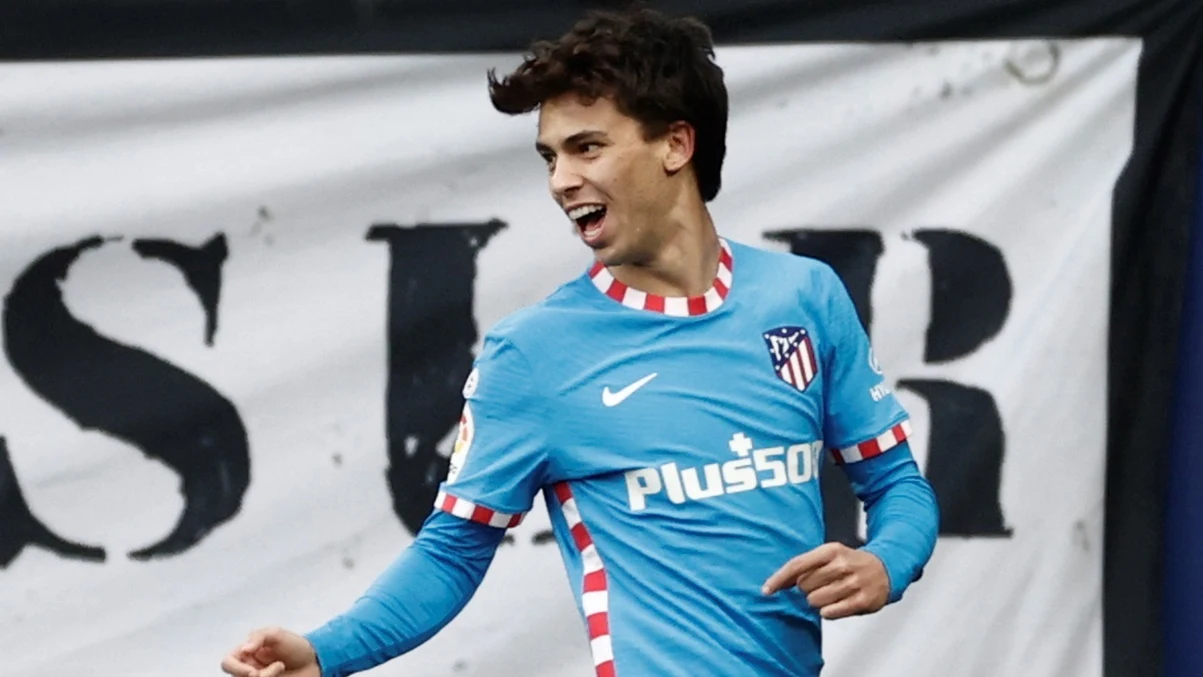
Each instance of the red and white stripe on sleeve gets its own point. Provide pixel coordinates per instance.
(873, 447)
(476, 513)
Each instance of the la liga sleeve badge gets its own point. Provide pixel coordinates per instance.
(463, 442)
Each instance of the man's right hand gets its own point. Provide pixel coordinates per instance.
(272, 652)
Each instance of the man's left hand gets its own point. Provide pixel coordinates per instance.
(838, 581)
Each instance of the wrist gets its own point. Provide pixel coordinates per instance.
(893, 579)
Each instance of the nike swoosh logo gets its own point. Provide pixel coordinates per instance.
(611, 399)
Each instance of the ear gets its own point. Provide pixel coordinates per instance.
(678, 146)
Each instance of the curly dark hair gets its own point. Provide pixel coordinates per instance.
(658, 70)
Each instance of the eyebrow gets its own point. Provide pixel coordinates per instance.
(577, 138)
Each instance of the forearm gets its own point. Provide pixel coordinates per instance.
(903, 517)
(422, 591)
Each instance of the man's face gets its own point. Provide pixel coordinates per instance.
(605, 176)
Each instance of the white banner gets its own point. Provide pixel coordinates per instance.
(1004, 150)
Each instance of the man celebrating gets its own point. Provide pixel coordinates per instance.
(673, 404)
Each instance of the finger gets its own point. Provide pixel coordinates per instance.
(831, 594)
(853, 605)
(252, 659)
(265, 656)
(233, 665)
(835, 570)
(782, 578)
(254, 662)
(274, 670)
(788, 575)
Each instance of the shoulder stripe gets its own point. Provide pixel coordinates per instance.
(595, 594)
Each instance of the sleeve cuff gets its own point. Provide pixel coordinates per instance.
(474, 512)
(873, 447)
(897, 585)
(323, 649)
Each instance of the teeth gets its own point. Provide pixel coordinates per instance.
(583, 211)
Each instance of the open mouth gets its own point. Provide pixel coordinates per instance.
(589, 219)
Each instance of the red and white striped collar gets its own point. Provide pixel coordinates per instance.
(676, 306)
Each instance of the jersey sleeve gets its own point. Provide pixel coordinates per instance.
(862, 417)
(499, 459)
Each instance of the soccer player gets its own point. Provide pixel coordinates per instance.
(673, 404)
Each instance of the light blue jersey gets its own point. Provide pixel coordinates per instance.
(678, 443)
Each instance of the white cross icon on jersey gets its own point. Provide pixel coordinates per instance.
(740, 444)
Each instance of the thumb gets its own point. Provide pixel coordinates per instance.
(260, 639)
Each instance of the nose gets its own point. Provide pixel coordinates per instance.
(564, 178)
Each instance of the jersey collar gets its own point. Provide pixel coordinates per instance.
(676, 306)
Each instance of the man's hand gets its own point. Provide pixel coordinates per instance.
(272, 652)
(838, 581)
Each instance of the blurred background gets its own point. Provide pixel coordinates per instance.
(248, 250)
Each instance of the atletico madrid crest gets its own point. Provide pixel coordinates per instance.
(793, 355)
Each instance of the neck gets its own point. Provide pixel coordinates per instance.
(686, 262)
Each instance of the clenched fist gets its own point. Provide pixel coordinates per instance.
(272, 652)
(838, 581)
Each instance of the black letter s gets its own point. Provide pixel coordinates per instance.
(130, 394)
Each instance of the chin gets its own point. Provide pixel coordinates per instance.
(603, 250)
(609, 255)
